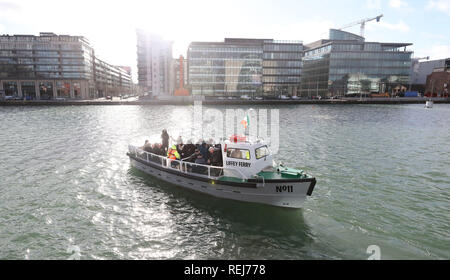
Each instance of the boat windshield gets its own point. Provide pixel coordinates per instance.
(261, 152)
(238, 153)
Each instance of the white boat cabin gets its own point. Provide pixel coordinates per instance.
(245, 157)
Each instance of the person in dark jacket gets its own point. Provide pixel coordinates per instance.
(146, 146)
(200, 159)
(203, 150)
(192, 157)
(158, 149)
(215, 157)
(165, 140)
(188, 150)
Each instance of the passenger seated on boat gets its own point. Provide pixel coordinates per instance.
(215, 157)
(192, 157)
(180, 149)
(146, 145)
(155, 149)
(188, 150)
(149, 148)
(177, 141)
(173, 154)
(203, 150)
(200, 169)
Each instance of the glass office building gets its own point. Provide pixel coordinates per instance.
(51, 66)
(239, 67)
(282, 67)
(346, 65)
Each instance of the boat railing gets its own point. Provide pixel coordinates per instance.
(203, 170)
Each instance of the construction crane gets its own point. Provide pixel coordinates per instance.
(421, 58)
(363, 23)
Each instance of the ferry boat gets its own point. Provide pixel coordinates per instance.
(248, 174)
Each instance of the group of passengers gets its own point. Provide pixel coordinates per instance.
(200, 153)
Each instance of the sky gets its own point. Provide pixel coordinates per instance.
(110, 26)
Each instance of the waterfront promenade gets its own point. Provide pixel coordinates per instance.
(400, 100)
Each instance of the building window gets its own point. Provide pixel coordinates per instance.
(29, 90)
(63, 89)
(46, 90)
(77, 90)
(10, 88)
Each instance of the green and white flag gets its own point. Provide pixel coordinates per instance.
(246, 121)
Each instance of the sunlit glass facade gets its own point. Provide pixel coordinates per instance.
(239, 67)
(53, 66)
(352, 66)
(233, 67)
(282, 67)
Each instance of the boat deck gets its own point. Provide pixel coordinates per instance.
(284, 174)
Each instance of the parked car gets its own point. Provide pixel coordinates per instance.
(13, 97)
(295, 97)
(259, 98)
(108, 97)
(284, 97)
(246, 97)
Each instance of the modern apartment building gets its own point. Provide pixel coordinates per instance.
(52, 66)
(345, 64)
(155, 64)
(244, 67)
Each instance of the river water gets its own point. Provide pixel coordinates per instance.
(67, 189)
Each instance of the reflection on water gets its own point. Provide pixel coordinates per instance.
(382, 179)
(242, 230)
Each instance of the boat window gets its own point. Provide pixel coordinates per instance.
(261, 152)
(238, 153)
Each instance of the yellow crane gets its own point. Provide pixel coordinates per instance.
(362, 22)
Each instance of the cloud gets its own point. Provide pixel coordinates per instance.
(398, 4)
(9, 11)
(440, 5)
(306, 30)
(434, 52)
(433, 36)
(373, 4)
(400, 26)
(439, 52)
(9, 6)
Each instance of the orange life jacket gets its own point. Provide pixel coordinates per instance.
(171, 154)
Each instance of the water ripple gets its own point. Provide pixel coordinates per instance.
(382, 171)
